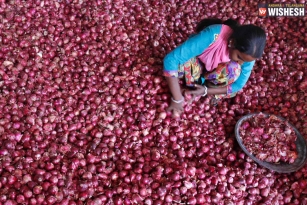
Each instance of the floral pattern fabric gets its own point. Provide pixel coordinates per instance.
(224, 75)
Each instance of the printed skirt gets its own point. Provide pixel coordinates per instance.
(225, 74)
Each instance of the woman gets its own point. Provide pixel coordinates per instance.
(220, 55)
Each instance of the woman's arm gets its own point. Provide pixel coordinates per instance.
(217, 91)
(201, 90)
(193, 47)
(175, 107)
(174, 88)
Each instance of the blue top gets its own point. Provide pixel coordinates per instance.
(195, 46)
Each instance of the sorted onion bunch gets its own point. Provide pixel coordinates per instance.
(269, 138)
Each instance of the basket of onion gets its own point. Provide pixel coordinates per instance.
(272, 142)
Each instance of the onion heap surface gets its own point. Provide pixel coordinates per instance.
(83, 101)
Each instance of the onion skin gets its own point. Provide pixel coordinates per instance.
(275, 132)
(83, 106)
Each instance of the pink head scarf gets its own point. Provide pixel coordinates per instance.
(218, 51)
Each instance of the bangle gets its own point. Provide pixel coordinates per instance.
(206, 91)
(178, 101)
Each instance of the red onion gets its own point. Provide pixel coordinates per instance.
(275, 133)
(83, 108)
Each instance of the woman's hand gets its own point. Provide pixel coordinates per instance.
(198, 92)
(176, 109)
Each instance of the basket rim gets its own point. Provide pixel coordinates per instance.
(281, 167)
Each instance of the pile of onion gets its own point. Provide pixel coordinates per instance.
(269, 138)
(83, 102)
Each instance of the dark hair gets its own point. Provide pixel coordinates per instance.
(248, 39)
